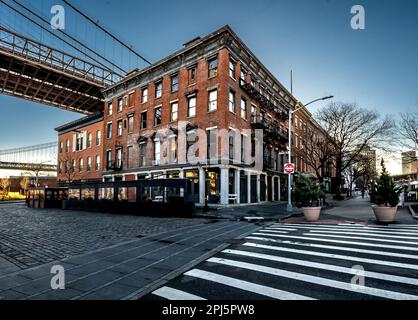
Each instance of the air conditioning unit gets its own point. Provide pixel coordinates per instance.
(156, 162)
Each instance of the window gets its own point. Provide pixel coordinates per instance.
(213, 100)
(131, 99)
(192, 75)
(60, 167)
(88, 168)
(231, 144)
(120, 105)
(119, 126)
(142, 154)
(119, 158)
(173, 149)
(89, 140)
(157, 116)
(98, 138)
(243, 108)
(61, 146)
(231, 101)
(232, 67)
(159, 89)
(253, 83)
(243, 76)
(110, 109)
(174, 111)
(109, 130)
(79, 141)
(67, 146)
(213, 67)
(129, 156)
(243, 142)
(97, 167)
(211, 144)
(73, 164)
(80, 165)
(253, 113)
(144, 120)
(130, 123)
(144, 97)
(191, 107)
(175, 83)
(157, 151)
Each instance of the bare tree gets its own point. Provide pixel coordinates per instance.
(317, 151)
(5, 185)
(408, 133)
(351, 129)
(24, 183)
(67, 166)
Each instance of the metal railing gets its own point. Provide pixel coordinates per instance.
(18, 45)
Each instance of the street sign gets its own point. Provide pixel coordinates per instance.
(289, 168)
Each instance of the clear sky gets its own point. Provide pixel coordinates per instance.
(376, 67)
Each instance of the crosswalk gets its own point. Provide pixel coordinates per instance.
(307, 262)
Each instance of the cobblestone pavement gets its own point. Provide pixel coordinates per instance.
(32, 237)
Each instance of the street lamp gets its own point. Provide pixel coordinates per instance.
(289, 177)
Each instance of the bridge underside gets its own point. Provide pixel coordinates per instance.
(31, 81)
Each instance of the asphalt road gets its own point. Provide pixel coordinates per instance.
(305, 261)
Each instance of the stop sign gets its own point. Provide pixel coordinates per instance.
(289, 168)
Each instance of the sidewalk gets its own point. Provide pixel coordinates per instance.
(128, 270)
(360, 210)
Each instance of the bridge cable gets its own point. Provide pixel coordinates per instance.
(53, 34)
(107, 32)
(69, 36)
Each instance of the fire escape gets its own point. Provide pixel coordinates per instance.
(273, 134)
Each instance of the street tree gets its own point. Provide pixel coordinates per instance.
(4, 185)
(317, 151)
(351, 129)
(24, 183)
(408, 135)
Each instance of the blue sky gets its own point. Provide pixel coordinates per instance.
(376, 67)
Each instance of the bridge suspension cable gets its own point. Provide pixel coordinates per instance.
(107, 32)
(60, 38)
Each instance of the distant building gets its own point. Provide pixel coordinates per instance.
(409, 162)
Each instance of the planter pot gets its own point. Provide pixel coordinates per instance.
(385, 214)
(311, 213)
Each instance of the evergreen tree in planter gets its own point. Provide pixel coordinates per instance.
(306, 195)
(385, 196)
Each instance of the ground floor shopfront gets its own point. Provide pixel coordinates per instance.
(218, 185)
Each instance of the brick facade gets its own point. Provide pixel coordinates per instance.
(219, 63)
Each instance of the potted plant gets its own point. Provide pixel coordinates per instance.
(385, 196)
(306, 195)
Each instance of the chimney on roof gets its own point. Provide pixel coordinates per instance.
(191, 42)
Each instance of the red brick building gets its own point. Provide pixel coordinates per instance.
(196, 114)
(80, 149)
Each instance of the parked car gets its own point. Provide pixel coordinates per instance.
(412, 196)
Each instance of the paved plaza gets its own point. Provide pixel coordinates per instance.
(29, 237)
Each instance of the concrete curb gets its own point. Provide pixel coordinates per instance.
(13, 202)
(413, 213)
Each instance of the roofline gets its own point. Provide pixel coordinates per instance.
(95, 116)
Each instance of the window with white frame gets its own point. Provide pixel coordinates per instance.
(110, 109)
(175, 83)
(213, 100)
(88, 168)
(213, 67)
(243, 108)
(157, 151)
(232, 68)
(97, 165)
(98, 138)
(159, 89)
(231, 105)
(174, 111)
(144, 95)
(120, 105)
(191, 106)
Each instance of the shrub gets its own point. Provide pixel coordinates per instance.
(306, 192)
(385, 192)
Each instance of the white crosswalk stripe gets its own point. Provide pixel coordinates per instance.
(275, 262)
